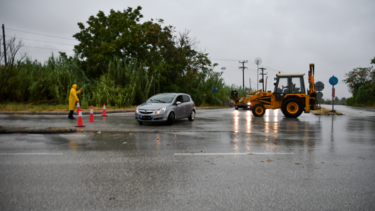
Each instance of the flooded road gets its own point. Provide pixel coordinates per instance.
(224, 160)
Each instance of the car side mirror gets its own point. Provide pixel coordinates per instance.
(178, 103)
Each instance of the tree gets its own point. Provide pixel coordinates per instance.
(170, 61)
(12, 49)
(361, 83)
(358, 78)
(121, 35)
(343, 100)
(337, 101)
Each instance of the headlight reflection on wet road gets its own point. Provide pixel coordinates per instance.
(248, 119)
(236, 119)
(275, 120)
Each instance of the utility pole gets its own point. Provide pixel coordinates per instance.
(5, 49)
(243, 73)
(262, 69)
(258, 61)
(257, 77)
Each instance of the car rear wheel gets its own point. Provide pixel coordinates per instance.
(192, 115)
(258, 110)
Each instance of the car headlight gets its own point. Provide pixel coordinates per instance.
(248, 103)
(136, 110)
(160, 111)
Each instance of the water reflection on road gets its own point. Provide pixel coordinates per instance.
(225, 158)
(272, 131)
(227, 130)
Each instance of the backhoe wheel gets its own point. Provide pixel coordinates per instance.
(259, 110)
(292, 107)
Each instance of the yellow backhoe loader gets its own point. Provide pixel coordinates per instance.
(289, 95)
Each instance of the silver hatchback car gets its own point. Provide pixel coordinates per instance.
(166, 107)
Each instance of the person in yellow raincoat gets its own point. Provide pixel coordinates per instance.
(72, 100)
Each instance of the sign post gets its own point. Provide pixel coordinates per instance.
(319, 86)
(214, 89)
(333, 81)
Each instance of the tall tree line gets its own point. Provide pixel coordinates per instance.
(361, 83)
(119, 61)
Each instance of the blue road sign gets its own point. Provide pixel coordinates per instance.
(214, 89)
(333, 80)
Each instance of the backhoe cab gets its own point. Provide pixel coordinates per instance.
(289, 95)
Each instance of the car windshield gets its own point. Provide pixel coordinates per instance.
(161, 98)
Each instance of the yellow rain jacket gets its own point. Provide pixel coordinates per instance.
(73, 97)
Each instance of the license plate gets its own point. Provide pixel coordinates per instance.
(140, 116)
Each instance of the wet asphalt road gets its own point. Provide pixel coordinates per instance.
(224, 160)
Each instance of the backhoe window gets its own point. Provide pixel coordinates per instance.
(296, 85)
(282, 87)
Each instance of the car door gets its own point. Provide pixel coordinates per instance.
(179, 109)
(188, 105)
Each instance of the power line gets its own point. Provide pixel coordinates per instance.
(233, 60)
(40, 34)
(229, 60)
(45, 48)
(44, 41)
(273, 69)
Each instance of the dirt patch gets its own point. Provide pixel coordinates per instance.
(324, 111)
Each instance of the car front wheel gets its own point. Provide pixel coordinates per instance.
(171, 118)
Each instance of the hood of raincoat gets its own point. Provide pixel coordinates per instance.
(74, 86)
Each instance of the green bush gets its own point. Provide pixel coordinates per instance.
(124, 84)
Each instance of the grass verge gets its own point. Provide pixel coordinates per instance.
(44, 107)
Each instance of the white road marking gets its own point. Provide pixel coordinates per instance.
(40, 153)
(192, 153)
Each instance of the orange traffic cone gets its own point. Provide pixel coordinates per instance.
(104, 112)
(91, 115)
(80, 121)
(78, 108)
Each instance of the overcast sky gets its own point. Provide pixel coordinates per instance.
(336, 35)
